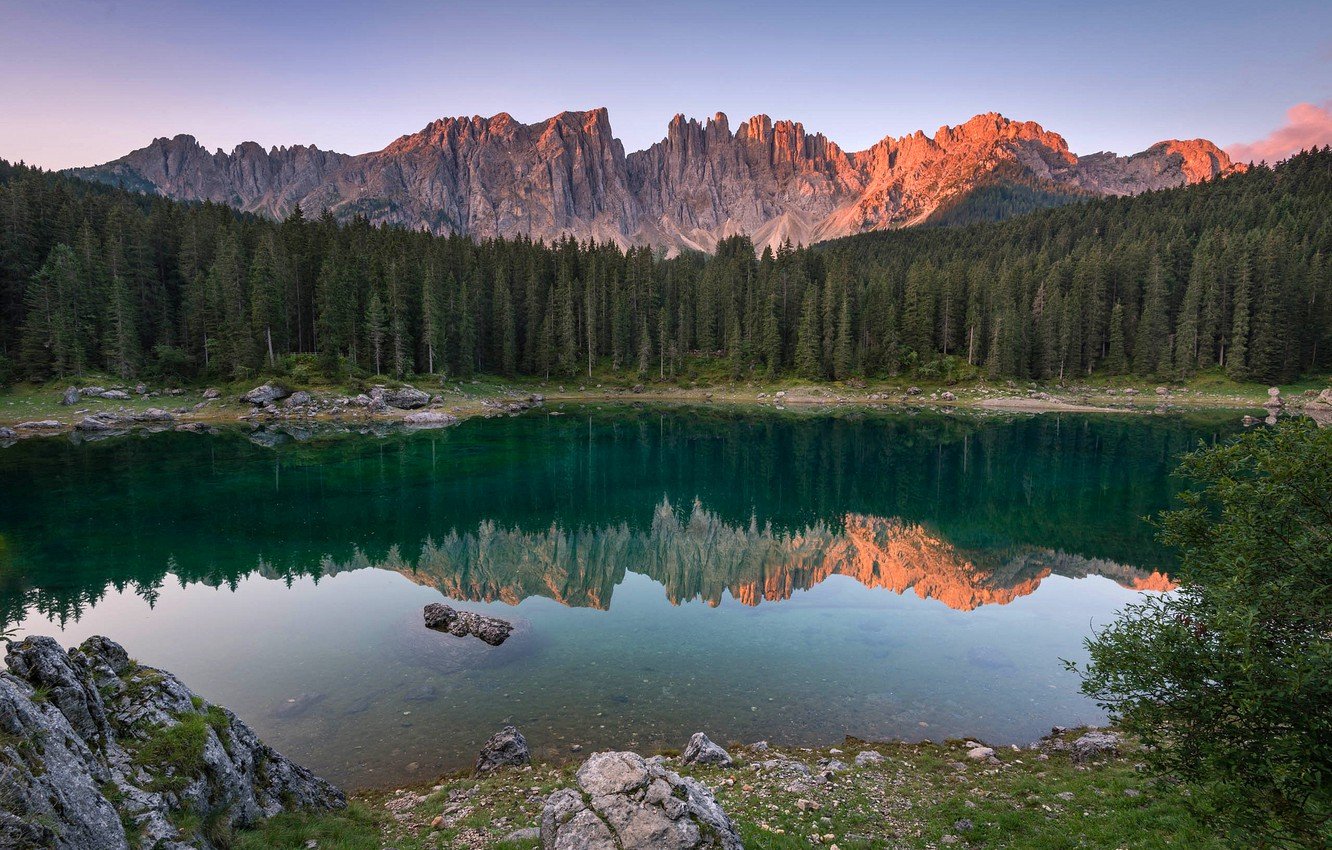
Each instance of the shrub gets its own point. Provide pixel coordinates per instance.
(1229, 679)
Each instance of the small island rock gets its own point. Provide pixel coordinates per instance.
(492, 630)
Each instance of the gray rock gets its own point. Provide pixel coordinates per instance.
(7, 433)
(948, 396)
(1093, 745)
(430, 419)
(913, 390)
(212, 393)
(507, 747)
(264, 395)
(71, 397)
(980, 753)
(97, 711)
(115, 395)
(100, 422)
(39, 425)
(700, 750)
(88, 392)
(405, 398)
(865, 757)
(624, 802)
(492, 630)
(153, 414)
(141, 389)
(300, 398)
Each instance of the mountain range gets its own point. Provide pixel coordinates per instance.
(569, 175)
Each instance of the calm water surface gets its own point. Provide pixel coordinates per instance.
(755, 575)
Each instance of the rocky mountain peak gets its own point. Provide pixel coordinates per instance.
(568, 175)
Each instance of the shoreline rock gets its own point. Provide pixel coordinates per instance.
(625, 802)
(506, 748)
(107, 725)
(701, 750)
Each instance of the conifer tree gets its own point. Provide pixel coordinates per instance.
(376, 330)
(809, 339)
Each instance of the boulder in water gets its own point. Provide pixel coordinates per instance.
(492, 630)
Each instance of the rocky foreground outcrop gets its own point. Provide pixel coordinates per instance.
(569, 175)
(98, 752)
(625, 802)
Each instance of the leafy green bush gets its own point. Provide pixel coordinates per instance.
(1229, 679)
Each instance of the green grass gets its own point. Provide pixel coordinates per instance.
(356, 828)
(173, 754)
(915, 798)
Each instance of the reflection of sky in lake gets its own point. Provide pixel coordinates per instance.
(816, 540)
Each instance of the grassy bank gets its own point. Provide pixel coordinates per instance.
(920, 796)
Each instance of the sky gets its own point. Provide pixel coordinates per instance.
(86, 81)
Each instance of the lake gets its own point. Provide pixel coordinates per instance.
(752, 574)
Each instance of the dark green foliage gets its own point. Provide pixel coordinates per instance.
(1229, 679)
(1231, 274)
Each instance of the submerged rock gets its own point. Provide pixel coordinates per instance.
(492, 630)
(701, 750)
(91, 742)
(624, 802)
(506, 748)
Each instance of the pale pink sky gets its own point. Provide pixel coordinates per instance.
(1308, 125)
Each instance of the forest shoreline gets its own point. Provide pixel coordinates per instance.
(35, 412)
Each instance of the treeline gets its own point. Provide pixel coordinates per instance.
(1231, 274)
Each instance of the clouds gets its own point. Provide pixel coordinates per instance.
(1307, 125)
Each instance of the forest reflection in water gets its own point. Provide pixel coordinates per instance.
(1013, 495)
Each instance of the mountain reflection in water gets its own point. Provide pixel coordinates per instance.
(703, 557)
